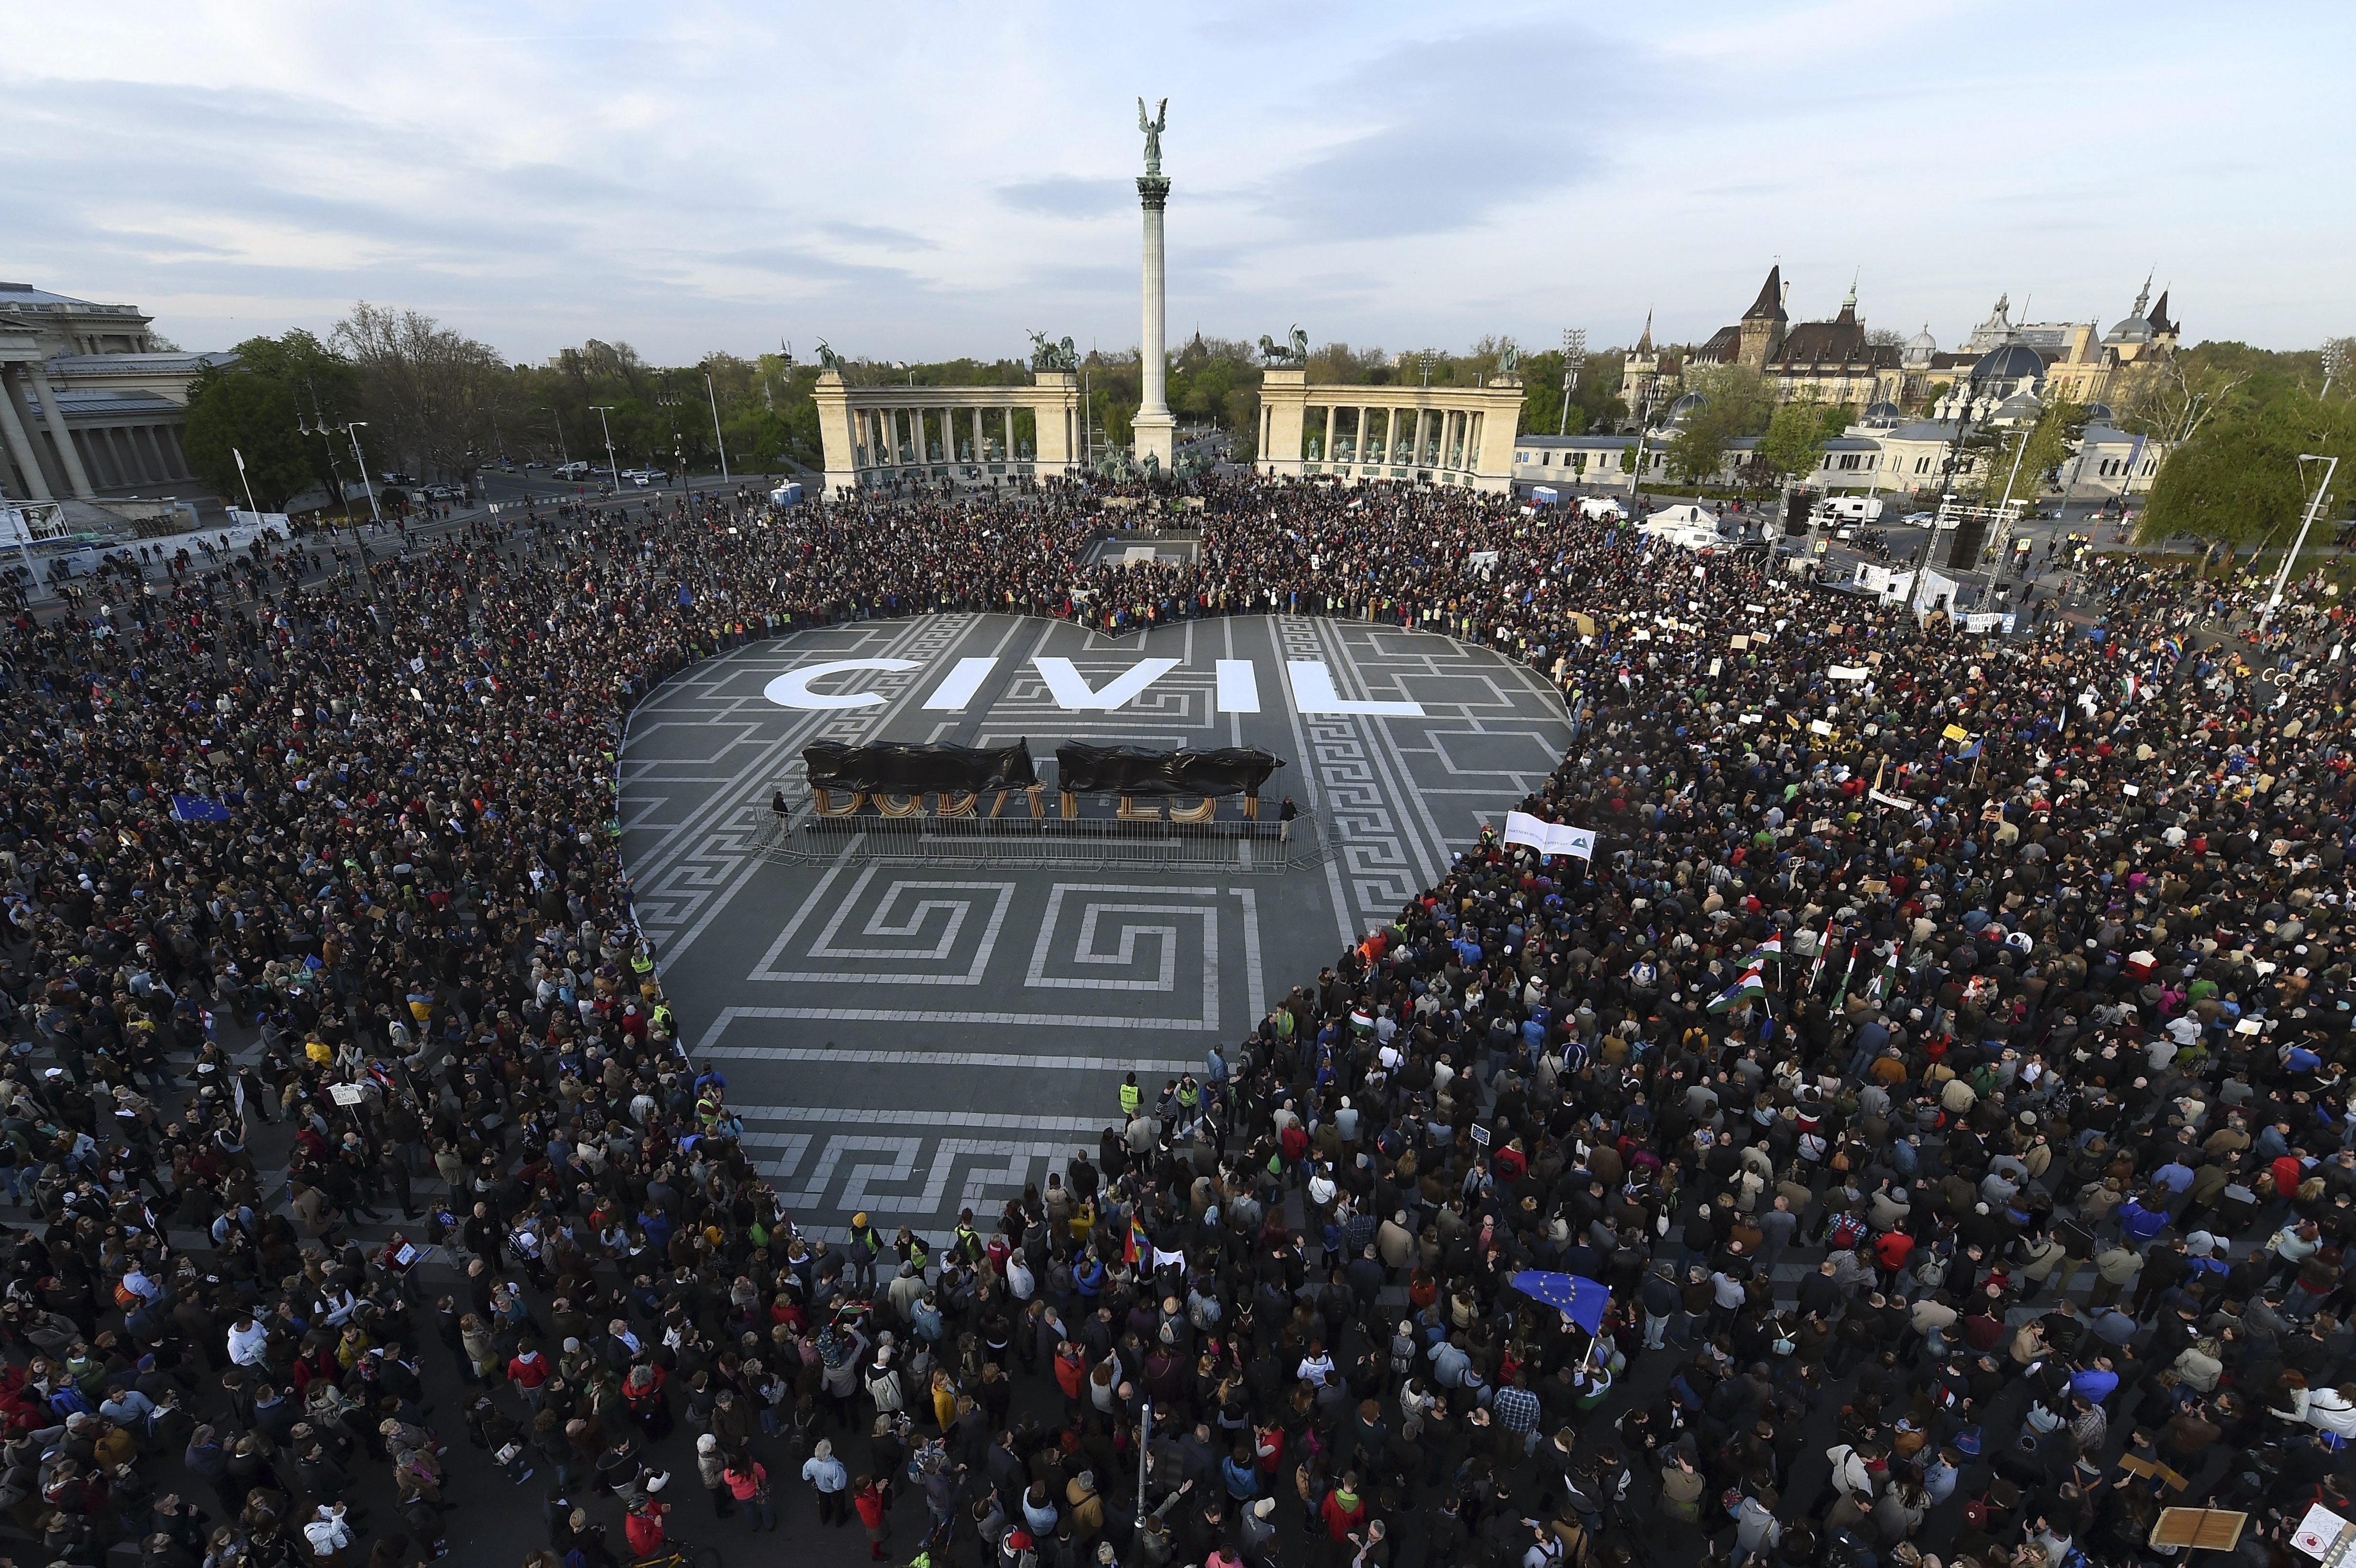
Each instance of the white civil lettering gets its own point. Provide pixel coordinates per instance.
(1238, 686)
(1074, 694)
(792, 689)
(1313, 692)
(952, 695)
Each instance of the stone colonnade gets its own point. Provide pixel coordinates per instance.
(52, 461)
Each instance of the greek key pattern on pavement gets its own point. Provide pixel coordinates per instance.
(1360, 810)
(669, 901)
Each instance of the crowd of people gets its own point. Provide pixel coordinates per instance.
(1939, 1070)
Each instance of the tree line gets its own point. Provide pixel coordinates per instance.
(407, 394)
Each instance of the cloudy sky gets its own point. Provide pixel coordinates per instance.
(920, 181)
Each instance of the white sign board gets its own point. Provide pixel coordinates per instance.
(1549, 838)
(2318, 1530)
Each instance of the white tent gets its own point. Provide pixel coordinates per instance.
(1685, 515)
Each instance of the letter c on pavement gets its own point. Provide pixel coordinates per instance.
(792, 689)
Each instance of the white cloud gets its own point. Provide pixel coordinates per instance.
(928, 182)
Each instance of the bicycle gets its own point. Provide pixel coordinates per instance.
(680, 1555)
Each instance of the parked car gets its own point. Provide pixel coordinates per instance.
(1919, 519)
(573, 471)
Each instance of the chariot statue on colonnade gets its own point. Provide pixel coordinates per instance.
(1293, 351)
(1047, 356)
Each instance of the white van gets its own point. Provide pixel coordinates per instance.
(573, 471)
(1684, 536)
(1850, 508)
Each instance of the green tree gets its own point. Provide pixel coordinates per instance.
(1699, 449)
(1796, 434)
(2239, 480)
(2040, 448)
(234, 411)
(1738, 393)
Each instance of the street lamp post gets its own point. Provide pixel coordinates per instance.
(1946, 485)
(613, 469)
(334, 470)
(353, 430)
(2282, 574)
(323, 429)
(1644, 428)
(561, 453)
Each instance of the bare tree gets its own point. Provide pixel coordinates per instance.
(432, 393)
(2171, 399)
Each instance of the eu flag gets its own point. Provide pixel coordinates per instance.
(196, 808)
(1576, 1296)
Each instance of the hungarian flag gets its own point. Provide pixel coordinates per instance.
(1885, 985)
(1751, 983)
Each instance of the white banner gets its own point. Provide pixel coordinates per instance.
(1549, 838)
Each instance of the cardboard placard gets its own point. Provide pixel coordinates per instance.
(2198, 1530)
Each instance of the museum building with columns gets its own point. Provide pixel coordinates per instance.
(94, 406)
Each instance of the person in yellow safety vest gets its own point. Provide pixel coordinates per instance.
(1129, 1097)
(707, 1109)
(863, 1246)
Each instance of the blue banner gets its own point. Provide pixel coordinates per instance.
(196, 808)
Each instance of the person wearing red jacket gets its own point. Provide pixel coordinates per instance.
(644, 1528)
(1891, 1250)
(1344, 1511)
(868, 1498)
(528, 1370)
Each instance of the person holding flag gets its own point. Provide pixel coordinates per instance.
(1751, 984)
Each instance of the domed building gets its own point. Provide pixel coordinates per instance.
(1881, 415)
(2094, 369)
(1993, 381)
(1685, 408)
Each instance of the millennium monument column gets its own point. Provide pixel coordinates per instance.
(1152, 425)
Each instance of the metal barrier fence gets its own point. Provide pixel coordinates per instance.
(802, 835)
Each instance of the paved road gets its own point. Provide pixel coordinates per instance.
(911, 1040)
